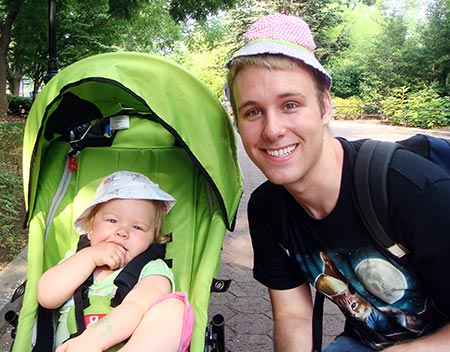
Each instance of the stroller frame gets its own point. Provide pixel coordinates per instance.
(165, 124)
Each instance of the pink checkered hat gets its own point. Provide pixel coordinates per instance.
(282, 35)
(123, 185)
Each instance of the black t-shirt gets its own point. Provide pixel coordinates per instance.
(383, 301)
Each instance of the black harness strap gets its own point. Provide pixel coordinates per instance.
(45, 328)
(129, 276)
(80, 297)
(125, 281)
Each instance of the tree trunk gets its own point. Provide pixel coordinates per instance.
(14, 81)
(5, 39)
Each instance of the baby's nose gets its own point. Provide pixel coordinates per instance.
(122, 232)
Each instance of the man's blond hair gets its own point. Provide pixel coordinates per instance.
(273, 62)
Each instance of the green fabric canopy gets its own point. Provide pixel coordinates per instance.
(184, 105)
(179, 135)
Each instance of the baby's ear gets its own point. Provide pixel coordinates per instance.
(89, 228)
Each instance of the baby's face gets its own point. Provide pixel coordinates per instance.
(129, 223)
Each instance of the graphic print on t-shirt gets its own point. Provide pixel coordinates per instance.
(383, 280)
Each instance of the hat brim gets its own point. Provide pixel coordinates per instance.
(279, 48)
(81, 223)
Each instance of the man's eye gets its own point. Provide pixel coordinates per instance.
(290, 106)
(253, 113)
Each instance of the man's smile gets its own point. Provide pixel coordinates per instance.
(280, 153)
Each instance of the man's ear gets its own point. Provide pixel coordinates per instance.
(327, 104)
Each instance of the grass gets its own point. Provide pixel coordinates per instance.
(13, 236)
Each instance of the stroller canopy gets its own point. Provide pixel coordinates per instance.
(179, 135)
(150, 85)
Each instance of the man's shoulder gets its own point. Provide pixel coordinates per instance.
(353, 145)
(416, 167)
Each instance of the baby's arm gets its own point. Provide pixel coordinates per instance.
(122, 321)
(59, 283)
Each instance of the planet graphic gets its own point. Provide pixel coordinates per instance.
(382, 279)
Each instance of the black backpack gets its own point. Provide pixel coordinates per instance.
(370, 177)
(370, 193)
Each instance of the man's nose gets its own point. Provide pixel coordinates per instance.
(273, 126)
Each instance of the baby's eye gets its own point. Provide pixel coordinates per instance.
(138, 228)
(112, 221)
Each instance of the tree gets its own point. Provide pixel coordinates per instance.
(346, 65)
(9, 11)
(435, 40)
(179, 10)
(205, 51)
(28, 51)
(323, 17)
(88, 27)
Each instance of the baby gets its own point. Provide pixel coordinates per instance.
(123, 221)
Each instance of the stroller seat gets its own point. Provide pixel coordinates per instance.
(93, 119)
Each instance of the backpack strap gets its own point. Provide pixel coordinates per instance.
(317, 322)
(370, 181)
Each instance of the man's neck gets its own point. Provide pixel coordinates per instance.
(318, 192)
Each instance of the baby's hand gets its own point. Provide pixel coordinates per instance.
(78, 344)
(109, 254)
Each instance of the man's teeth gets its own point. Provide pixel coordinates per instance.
(281, 152)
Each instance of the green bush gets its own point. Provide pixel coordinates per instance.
(347, 109)
(347, 80)
(19, 105)
(12, 235)
(422, 109)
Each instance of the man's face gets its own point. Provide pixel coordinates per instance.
(280, 121)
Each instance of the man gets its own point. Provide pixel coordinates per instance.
(304, 225)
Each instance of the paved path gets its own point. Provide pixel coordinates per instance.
(246, 305)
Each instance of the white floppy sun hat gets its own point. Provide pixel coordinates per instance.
(124, 185)
(281, 34)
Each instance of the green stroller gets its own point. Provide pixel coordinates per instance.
(137, 112)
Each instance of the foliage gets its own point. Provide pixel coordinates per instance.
(19, 105)
(180, 10)
(423, 109)
(370, 48)
(205, 53)
(347, 109)
(435, 40)
(13, 237)
(322, 17)
(88, 27)
(240, 18)
(208, 66)
(346, 79)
